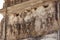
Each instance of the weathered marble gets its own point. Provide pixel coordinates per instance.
(32, 22)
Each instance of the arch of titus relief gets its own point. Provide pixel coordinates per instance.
(29, 19)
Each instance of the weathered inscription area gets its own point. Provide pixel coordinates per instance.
(32, 22)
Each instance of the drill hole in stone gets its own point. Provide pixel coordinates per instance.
(45, 6)
(28, 10)
(35, 8)
(17, 14)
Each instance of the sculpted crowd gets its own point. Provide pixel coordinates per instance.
(32, 22)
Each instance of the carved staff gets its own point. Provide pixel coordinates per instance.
(6, 19)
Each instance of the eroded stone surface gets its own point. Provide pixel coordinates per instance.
(31, 23)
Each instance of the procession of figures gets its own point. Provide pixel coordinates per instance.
(32, 23)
